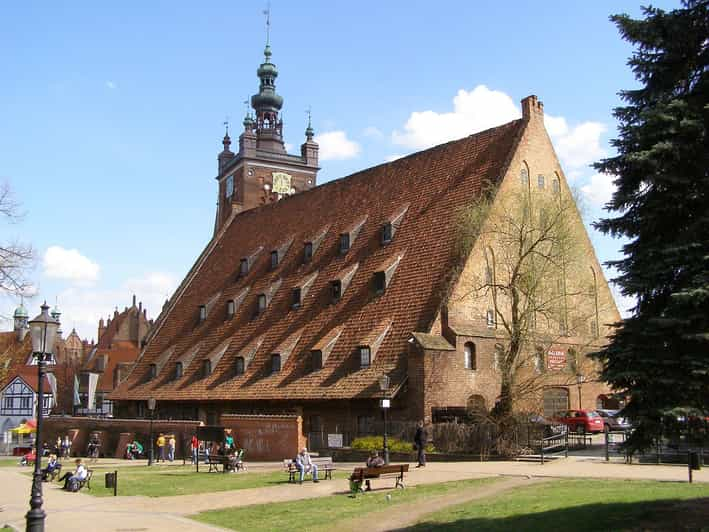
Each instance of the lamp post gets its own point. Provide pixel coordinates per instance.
(579, 381)
(384, 387)
(151, 407)
(43, 331)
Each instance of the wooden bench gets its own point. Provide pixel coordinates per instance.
(360, 474)
(324, 465)
(216, 461)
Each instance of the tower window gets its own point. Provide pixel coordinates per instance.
(344, 243)
(387, 233)
(275, 363)
(239, 366)
(316, 359)
(244, 267)
(206, 367)
(178, 370)
(308, 252)
(490, 318)
(469, 356)
(274, 259)
(540, 181)
(380, 282)
(295, 298)
(230, 308)
(336, 290)
(229, 186)
(202, 313)
(365, 356)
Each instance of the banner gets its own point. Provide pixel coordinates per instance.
(93, 381)
(77, 399)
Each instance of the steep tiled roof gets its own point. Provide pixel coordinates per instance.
(428, 187)
(119, 352)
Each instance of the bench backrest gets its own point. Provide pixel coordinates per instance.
(364, 472)
(322, 461)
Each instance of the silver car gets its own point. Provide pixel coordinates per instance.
(612, 421)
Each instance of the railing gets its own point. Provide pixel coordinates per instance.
(554, 445)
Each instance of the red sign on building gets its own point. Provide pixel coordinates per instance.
(556, 359)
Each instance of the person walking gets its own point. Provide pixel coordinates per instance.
(194, 447)
(161, 447)
(66, 446)
(420, 439)
(171, 448)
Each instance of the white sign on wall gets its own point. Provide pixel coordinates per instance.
(334, 441)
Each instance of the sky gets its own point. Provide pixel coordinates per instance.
(111, 115)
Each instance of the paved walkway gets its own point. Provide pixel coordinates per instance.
(169, 513)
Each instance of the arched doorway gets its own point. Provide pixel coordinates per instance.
(555, 399)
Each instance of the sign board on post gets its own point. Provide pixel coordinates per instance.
(556, 359)
(334, 441)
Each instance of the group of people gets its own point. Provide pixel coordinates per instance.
(134, 450)
(166, 446)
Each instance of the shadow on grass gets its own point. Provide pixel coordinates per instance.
(664, 514)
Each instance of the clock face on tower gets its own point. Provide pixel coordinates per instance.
(281, 183)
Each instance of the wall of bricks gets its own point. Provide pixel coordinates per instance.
(266, 437)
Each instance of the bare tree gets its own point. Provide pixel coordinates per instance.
(536, 279)
(16, 258)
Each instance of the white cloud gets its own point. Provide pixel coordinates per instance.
(599, 190)
(373, 132)
(334, 145)
(288, 146)
(624, 303)
(473, 111)
(69, 264)
(111, 85)
(577, 146)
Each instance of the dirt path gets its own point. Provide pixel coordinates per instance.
(403, 515)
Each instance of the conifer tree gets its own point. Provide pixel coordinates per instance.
(659, 356)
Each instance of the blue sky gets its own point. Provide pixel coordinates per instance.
(111, 113)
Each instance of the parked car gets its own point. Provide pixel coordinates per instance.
(547, 427)
(612, 421)
(580, 420)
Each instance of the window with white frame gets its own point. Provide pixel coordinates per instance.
(490, 318)
(469, 356)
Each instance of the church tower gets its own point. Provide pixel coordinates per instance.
(263, 171)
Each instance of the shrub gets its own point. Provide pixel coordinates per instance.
(376, 443)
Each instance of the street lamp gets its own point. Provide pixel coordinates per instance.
(384, 382)
(580, 379)
(151, 407)
(43, 331)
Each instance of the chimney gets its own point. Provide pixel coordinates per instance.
(531, 108)
(133, 299)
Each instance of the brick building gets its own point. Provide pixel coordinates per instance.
(303, 299)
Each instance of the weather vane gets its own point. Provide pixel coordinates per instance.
(267, 12)
(308, 111)
(226, 124)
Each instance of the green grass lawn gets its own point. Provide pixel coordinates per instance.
(158, 481)
(581, 505)
(10, 461)
(323, 513)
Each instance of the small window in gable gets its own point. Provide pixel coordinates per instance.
(295, 298)
(344, 243)
(275, 363)
(230, 309)
(316, 359)
(524, 176)
(239, 366)
(387, 233)
(540, 181)
(274, 259)
(178, 370)
(308, 252)
(469, 356)
(153, 371)
(555, 185)
(335, 290)
(206, 367)
(243, 267)
(202, 313)
(365, 356)
(490, 318)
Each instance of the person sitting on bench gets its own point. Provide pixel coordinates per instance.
(77, 476)
(374, 460)
(305, 465)
(53, 466)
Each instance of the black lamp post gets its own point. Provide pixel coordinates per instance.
(386, 403)
(43, 331)
(579, 381)
(151, 407)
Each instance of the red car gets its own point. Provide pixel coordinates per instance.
(581, 420)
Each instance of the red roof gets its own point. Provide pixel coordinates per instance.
(433, 184)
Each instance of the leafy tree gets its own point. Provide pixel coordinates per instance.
(660, 355)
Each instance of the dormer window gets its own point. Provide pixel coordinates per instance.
(261, 304)
(295, 298)
(153, 372)
(239, 366)
(385, 273)
(316, 359)
(202, 313)
(365, 356)
(275, 363)
(380, 282)
(178, 370)
(335, 290)
(230, 309)
(243, 267)
(344, 243)
(308, 252)
(387, 233)
(206, 367)
(274, 259)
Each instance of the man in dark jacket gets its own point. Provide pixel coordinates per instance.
(420, 444)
